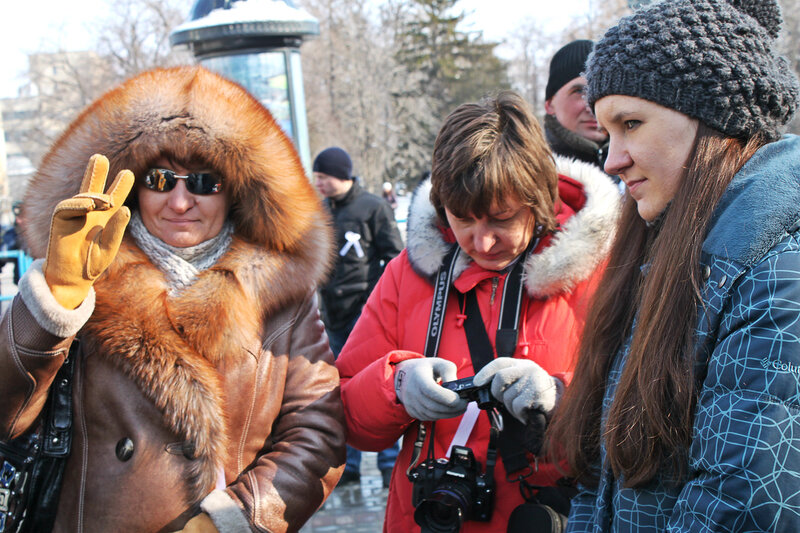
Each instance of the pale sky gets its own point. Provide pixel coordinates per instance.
(28, 26)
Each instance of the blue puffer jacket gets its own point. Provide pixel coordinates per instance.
(744, 460)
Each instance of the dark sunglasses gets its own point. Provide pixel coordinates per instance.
(164, 180)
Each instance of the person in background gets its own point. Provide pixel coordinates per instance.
(389, 195)
(204, 392)
(11, 240)
(683, 411)
(569, 124)
(367, 238)
(500, 212)
(19, 224)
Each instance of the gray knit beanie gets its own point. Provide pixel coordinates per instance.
(710, 59)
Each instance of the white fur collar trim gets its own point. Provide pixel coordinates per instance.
(574, 252)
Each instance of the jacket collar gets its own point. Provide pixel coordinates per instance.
(568, 143)
(570, 256)
(140, 327)
(760, 205)
(348, 197)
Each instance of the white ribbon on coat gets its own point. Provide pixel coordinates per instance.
(352, 239)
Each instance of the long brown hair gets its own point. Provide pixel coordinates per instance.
(653, 276)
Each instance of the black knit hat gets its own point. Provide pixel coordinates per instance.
(710, 59)
(334, 162)
(566, 65)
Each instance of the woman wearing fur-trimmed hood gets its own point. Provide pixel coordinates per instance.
(501, 213)
(204, 388)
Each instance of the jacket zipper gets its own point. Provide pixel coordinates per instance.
(495, 282)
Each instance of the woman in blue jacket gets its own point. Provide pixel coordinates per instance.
(684, 410)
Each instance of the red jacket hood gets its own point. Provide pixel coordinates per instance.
(587, 213)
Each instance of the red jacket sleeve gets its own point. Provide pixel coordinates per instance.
(375, 419)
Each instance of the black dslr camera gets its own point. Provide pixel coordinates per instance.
(446, 493)
(466, 389)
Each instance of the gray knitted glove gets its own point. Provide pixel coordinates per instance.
(521, 385)
(415, 382)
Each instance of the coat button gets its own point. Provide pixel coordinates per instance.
(722, 281)
(706, 272)
(124, 449)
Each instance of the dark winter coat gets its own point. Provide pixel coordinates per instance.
(369, 222)
(567, 143)
(228, 383)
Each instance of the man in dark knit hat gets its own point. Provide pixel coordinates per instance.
(368, 238)
(570, 126)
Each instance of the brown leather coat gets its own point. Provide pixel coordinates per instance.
(232, 376)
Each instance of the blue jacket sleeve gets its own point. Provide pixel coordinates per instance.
(582, 510)
(745, 450)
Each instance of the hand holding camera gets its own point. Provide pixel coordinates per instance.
(417, 384)
(521, 385)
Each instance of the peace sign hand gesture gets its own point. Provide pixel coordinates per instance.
(86, 232)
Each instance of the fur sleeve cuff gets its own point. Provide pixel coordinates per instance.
(49, 314)
(224, 512)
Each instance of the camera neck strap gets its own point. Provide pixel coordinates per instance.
(511, 436)
(441, 290)
(480, 347)
(510, 309)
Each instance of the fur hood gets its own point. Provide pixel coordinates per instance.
(573, 254)
(175, 346)
(190, 112)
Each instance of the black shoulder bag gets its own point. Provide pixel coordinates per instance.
(32, 466)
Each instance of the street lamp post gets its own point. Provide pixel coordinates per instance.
(257, 44)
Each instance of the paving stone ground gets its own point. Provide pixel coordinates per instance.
(355, 507)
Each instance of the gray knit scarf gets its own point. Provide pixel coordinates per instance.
(180, 265)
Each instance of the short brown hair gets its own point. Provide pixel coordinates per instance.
(489, 151)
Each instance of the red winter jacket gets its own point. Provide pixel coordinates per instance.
(559, 276)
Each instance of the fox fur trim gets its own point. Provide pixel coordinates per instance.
(187, 113)
(575, 251)
(172, 345)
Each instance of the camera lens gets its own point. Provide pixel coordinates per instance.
(445, 510)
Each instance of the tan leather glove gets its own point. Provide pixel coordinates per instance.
(86, 232)
(199, 524)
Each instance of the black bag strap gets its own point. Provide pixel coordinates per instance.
(480, 346)
(511, 308)
(48, 471)
(58, 416)
(32, 465)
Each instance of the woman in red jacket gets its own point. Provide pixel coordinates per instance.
(497, 213)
